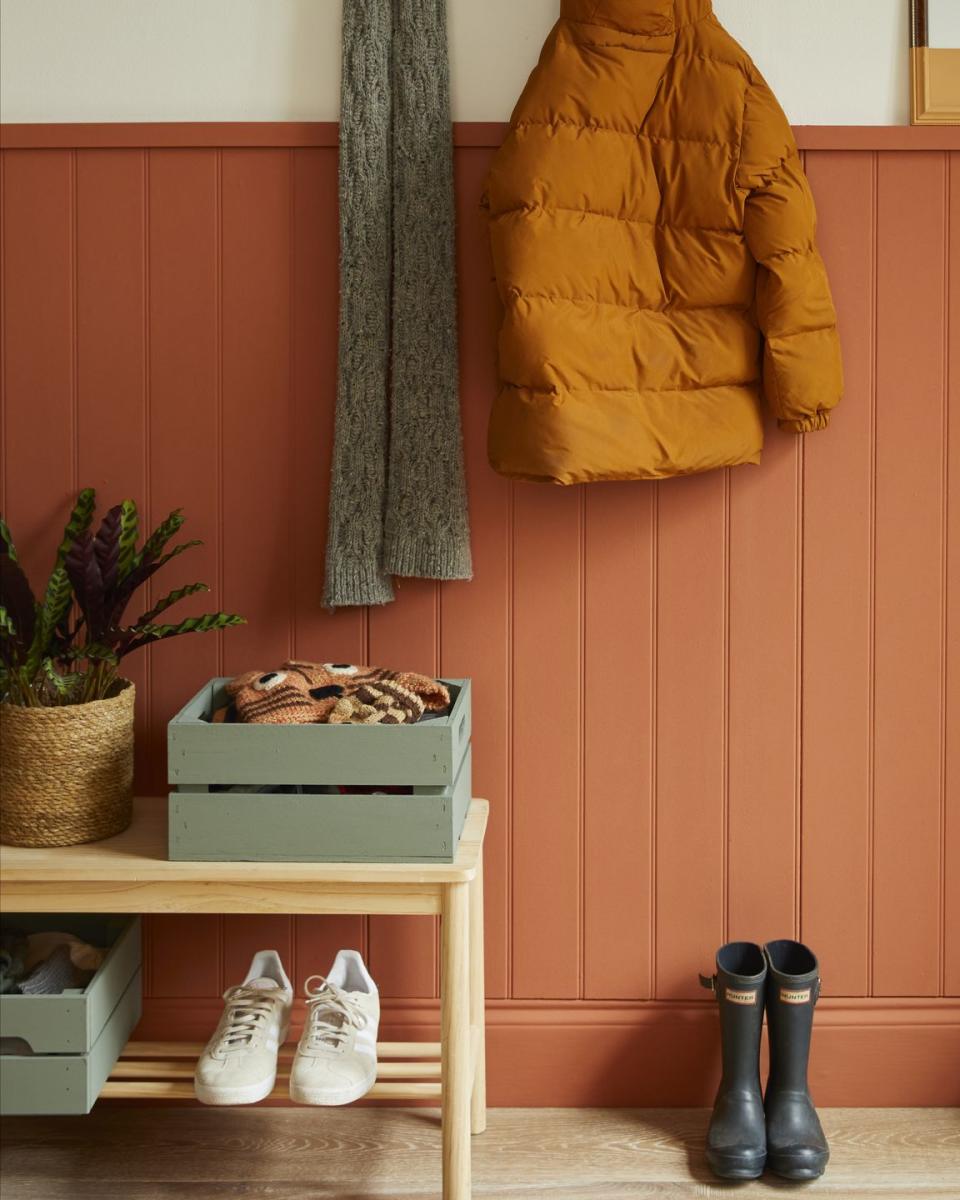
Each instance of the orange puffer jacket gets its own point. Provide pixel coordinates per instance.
(653, 238)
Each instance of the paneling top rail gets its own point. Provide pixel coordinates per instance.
(141, 135)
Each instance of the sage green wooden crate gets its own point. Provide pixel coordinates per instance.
(428, 753)
(69, 1084)
(207, 824)
(76, 1036)
(336, 827)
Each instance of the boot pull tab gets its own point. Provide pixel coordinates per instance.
(709, 982)
(816, 991)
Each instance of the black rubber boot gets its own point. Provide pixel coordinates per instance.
(796, 1147)
(736, 1140)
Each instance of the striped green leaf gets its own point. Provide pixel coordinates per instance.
(56, 604)
(129, 532)
(79, 523)
(169, 601)
(155, 543)
(7, 540)
(144, 634)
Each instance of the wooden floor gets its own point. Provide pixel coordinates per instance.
(567, 1154)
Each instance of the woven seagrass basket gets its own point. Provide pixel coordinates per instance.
(66, 774)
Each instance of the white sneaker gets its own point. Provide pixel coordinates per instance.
(336, 1060)
(239, 1063)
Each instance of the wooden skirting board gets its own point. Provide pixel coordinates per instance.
(889, 1052)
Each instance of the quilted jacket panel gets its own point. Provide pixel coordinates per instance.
(654, 243)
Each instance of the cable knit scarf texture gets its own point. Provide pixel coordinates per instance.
(398, 503)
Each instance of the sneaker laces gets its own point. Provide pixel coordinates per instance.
(331, 1013)
(248, 1010)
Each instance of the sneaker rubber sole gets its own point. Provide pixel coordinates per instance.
(249, 1093)
(332, 1097)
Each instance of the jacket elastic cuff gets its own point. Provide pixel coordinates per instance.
(817, 420)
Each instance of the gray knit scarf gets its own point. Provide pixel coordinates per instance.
(398, 503)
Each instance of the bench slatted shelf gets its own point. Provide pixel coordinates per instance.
(131, 874)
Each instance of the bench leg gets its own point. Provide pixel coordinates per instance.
(455, 1039)
(478, 1100)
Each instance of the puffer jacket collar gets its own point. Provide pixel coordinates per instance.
(653, 17)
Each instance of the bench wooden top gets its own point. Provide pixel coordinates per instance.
(131, 873)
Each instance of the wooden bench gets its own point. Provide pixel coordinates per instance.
(131, 874)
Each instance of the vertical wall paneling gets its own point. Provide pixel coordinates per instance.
(185, 957)
(951, 782)
(257, 443)
(259, 492)
(838, 595)
(691, 801)
(619, 770)
(475, 628)
(113, 395)
(763, 717)
(909, 583)
(39, 425)
(719, 706)
(547, 731)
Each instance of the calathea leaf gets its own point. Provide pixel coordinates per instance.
(8, 641)
(94, 651)
(149, 566)
(17, 598)
(106, 546)
(78, 523)
(144, 634)
(84, 573)
(155, 543)
(53, 610)
(169, 600)
(63, 685)
(129, 531)
(7, 541)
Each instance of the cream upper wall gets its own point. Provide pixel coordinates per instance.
(832, 62)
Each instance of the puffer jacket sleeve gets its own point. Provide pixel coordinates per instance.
(802, 366)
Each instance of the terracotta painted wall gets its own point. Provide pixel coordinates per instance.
(719, 707)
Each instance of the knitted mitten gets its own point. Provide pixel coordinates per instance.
(386, 702)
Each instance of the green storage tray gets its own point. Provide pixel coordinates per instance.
(428, 754)
(69, 1084)
(275, 827)
(71, 1022)
(77, 1035)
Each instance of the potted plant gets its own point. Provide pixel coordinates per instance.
(66, 713)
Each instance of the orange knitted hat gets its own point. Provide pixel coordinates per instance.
(334, 693)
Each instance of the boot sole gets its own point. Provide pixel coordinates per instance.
(796, 1172)
(736, 1167)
